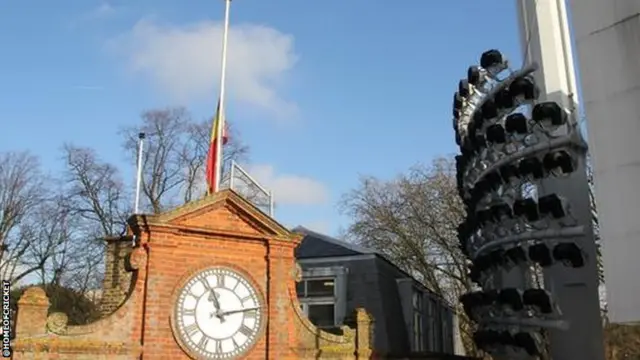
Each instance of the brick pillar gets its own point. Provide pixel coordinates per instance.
(117, 277)
(281, 331)
(364, 334)
(32, 313)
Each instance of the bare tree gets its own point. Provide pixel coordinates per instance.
(47, 230)
(21, 190)
(96, 204)
(57, 235)
(60, 261)
(38, 239)
(163, 170)
(95, 192)
(175, 155)
(413, 220)
(195, 151)
(13, 264)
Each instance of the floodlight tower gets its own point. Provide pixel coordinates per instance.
(545, 40)
(511, 145)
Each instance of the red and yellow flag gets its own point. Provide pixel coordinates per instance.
(214, 158)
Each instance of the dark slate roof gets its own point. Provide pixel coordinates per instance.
(316, 245)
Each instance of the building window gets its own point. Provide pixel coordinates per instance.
(417, 300)
(418, 321)
(317, 298)
(320, 288)
(322, 315)
(447, 334)
(432, 328)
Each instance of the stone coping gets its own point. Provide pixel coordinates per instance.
(75, 346)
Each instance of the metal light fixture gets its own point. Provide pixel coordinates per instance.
(501, 151)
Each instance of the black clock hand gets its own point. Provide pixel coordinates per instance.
(237, 311)
(216, 303)
(214, 297)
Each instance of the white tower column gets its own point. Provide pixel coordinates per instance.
(607, 36)
(545, 40)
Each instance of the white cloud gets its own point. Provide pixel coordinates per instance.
(103, 10)
(184, 61)
(289, 189)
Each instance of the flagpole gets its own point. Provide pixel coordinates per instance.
(223, 70)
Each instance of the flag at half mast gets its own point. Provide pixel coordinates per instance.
(214, 158)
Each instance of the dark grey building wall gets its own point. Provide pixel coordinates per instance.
(363, 290)
(392, 305)
(438, 338)
(372, 283)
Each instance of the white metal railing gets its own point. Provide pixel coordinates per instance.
(238, 173)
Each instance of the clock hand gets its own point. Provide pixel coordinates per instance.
(237, 311)
(216, 303)
(214, 297)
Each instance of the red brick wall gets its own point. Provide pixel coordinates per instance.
(174, 251)
(168, 264)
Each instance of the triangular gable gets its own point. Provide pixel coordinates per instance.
(225, 211)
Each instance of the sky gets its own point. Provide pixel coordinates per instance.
(323, 92)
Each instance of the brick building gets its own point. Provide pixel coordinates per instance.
(213, 279)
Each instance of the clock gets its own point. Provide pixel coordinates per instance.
(218, 314)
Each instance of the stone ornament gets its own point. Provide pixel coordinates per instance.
(297, 272)
(136, 259)
(57, 323)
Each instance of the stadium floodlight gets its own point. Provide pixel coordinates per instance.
(502, 152)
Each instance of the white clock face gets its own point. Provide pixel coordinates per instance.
(218, 314)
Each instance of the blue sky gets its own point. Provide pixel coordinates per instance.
(323, 92)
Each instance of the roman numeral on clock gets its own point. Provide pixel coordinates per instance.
(191, 329)
(251, 314)
(206, 285)
(202, 344)
(220, 280)
(246, 298)
(218, 346)
(245, 330)
(236, 286)
(189, 312)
